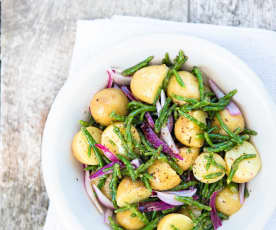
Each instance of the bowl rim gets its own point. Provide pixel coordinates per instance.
(55, 193)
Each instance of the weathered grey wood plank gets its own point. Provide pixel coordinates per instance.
(249, 13)
(37, 43)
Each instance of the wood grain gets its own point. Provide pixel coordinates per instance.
(38, 38)
(247, 13)
(37, 42)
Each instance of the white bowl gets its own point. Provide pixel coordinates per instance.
(63, 175)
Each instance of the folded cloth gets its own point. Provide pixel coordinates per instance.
(256, 47)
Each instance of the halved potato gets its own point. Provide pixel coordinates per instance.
(189, 155)
(164, 177)
(107, 101)
(111, 140)
(129, 222)
(105, 189)
(131, 192)
(200, 171)
(187, 132)
(80, 146)
(179, 221)
(232, 121)
(190, 90)
(146, 82)
(247, 169)
(228, 202)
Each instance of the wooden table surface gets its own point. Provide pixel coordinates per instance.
(37, 42)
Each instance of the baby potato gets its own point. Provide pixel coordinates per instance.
(107, 101)
(228, 202)
(111, 140)
(146, 82)
(186, 131)
(232, 121)
(80, 146)
(190, 90)
(204, 175)
(131, 192)
(105, 189)
(247, 169)
(179, 221)
(189, 155)
(129, 222)
(164, 177)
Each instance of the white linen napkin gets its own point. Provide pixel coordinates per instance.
(254, 46)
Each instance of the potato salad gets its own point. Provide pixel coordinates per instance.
(165, 148)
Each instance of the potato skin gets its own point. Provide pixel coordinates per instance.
(111, 140)
(247, 169)
(232, 122)
(228, 202)
(105, 102)
(199, 168)
(189, 155)
(187, 131)
(128, 222)
(80, 146)
(164, 177)
(190, 90)
(146, 82)
(131, 192)
(105, 189)
(180, 221)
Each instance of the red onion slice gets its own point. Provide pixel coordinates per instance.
(241, 192)
(170, 123)
(127, 92)
(156, 141)
(118, 77)
(158, 107)
(89, 191)
(216, 221)
(110, 80)
(154, 206)
(149, 120)
(136, 162)
(162, 98)
(231, 107)
(167, 137)
(111, 156)
(101, 172)
(102, 198)
(169, 196)
(107, 213)
(189, 192)
(165, 132)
